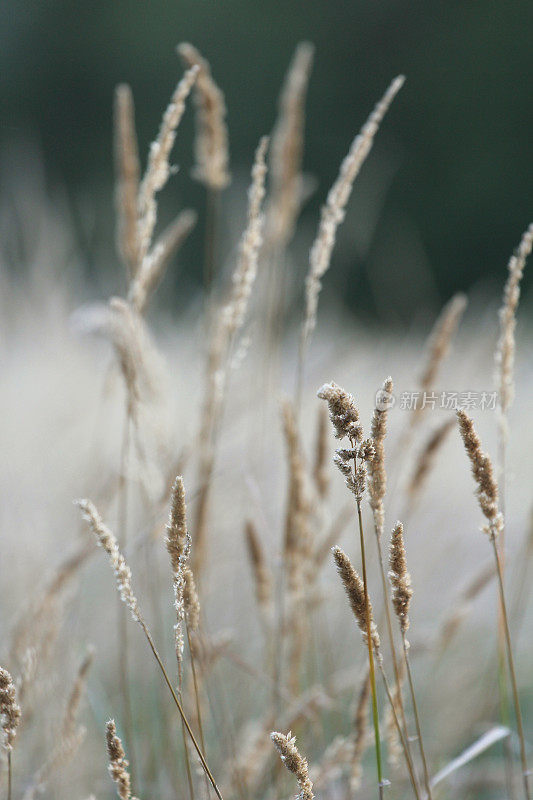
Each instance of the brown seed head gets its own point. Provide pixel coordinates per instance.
(355, 590)
(9, 708)
(342, 412)
(399, 577)
(377, 476)
(176, 529)
(295, 763)
(483, 472)
(211, 143)
(118, 764)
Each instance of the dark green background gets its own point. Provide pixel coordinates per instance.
(453, 164)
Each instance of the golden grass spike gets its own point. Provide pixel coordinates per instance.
(118, 764)
(285, 744)
(334, 210)
(377, 476)
(505, 349)
(176, 528)
(399, 577)
(127, 179)
(355, 591)
(211, 142)
(178, 543)
(287, 150)
(483, 472)
(158, 169)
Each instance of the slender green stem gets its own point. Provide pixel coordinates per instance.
(403, 739)
(9, 775)
(372, 674)
(180, 708)
(512, 674)
(417, 717)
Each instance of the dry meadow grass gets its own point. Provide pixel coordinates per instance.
(242, 636)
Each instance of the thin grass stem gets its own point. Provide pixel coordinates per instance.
(180, 708)
(372, 674)
(427, 782)
(512, 673)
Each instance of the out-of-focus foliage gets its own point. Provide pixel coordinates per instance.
(444, 196)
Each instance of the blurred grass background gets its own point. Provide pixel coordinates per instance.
(441, 202)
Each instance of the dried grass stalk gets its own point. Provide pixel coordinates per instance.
(158, 169)
(487, 494)
(178, 543)
(458, 612)
(127, 172)
(400, 578)
(483, 472)
(426, 459)
(287, 151)
(263, 580)
(361, 735)
(377, 480)
(118, 764)
(505, 349)
(108, 542)
(68, 727)
(334, 210)
(155, 262)
(211, 142)
(441, 337)
(225, 331)
(320, 470)
(355, 591)
(295, 763)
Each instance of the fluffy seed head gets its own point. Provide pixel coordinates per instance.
(118, 764)
(9, 708)
(295, 763)
(342, 412)
(399, 577)
(377, 476)
(355, 591)
(483, 472)
(107, 541)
